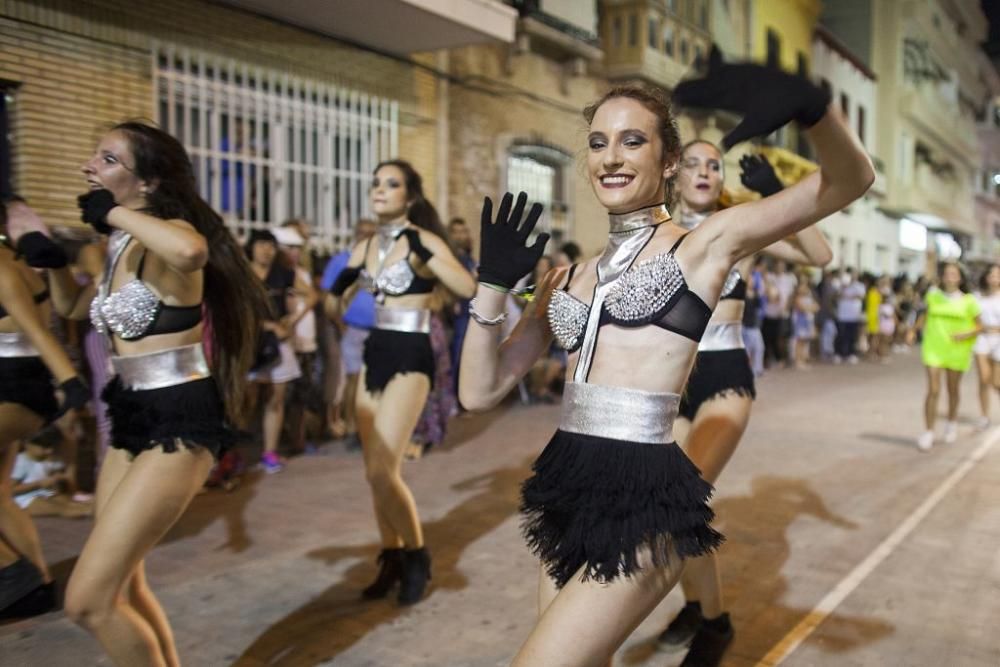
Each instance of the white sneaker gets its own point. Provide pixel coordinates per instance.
(982, 423)
(950, 432)
(853, 359)
(925, 441)
(837, 359)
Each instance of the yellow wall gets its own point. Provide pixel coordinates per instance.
(793, 20)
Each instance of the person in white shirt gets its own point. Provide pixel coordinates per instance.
(987, 347)
(850, 313)
(780, 286)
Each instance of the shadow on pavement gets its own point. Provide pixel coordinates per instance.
(751, 562)
(337, 618)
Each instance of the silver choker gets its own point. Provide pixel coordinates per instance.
(691, 219)
(623, 223)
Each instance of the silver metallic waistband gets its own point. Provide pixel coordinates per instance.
(619, 413)
(722, 336)
(16, 344)
(165, 368)
(408, 320)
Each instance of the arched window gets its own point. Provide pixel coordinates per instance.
(543, 172)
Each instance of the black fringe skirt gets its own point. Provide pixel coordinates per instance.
(189, 415)
(28, 382)
(390, 353)
(593, 503)
(717, 373)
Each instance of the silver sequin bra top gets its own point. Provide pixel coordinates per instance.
(644, 294)
(128, 312)
(393, 280)
(134, 311)
(731, 282)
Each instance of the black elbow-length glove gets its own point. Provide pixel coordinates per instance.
(768, 98)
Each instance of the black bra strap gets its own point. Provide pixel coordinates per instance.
(569, 277)
(142, 263)
(678, 242)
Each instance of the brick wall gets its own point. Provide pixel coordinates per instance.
(483, 124)
(85, 64)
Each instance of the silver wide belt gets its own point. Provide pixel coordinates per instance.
(407, 320)
(16, 344)
(166, 368)
(722, 336)
(619, 413)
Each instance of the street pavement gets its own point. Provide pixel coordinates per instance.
(843, 546)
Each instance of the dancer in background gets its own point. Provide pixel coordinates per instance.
(950, 325)
(171, 262)
(987, 347)
(614, 508)
(37, 383)
(402, 264)
(715, 405)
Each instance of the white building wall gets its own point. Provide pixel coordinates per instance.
(861, 236)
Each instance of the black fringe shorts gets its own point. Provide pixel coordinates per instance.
(593, 503)
(389, 353)
(717, 373)
(28, 382)
(187, 415)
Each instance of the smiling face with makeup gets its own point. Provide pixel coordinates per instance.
(700, 177)
(626, 160)
(112, 168)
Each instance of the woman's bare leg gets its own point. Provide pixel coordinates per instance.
(931, 401)
(385, 424)
(148, 498)
(954, 379)
(711, 441)
(16, 527)
(587, 621)
(984, 368)
(274, 416)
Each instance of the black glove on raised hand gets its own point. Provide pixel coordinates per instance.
(75, 394)
(416, 246)
(504, 257)
(767, 97)
(758, 175)
(95, 206)
(41, 252)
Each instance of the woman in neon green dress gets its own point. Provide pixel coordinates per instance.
(950, 325)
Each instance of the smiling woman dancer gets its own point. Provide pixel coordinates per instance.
(170, 261)
(614, 507)
(715, 405)
(398, 361)
(31, 365)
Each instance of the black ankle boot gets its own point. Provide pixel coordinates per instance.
(416, 574)
(390, 571)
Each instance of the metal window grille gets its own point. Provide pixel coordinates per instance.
(542, 183)
(267, 146)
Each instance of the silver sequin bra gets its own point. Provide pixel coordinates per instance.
(638, 297)
(393, 280)
(731, 282)
(130, 311)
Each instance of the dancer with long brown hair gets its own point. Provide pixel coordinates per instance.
(402, 265)
(171, 263)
